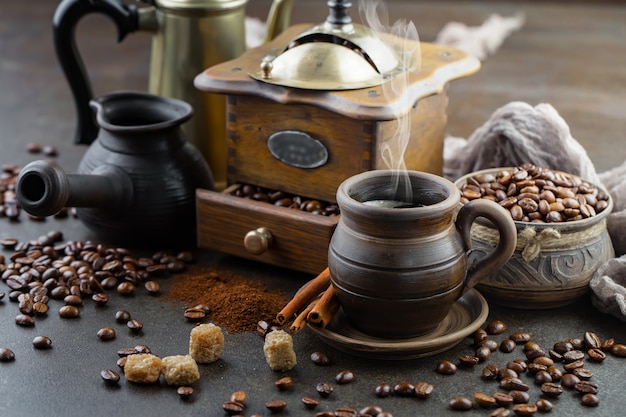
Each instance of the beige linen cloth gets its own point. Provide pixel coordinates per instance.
(518, 133)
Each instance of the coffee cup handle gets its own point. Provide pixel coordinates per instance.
(505, 225)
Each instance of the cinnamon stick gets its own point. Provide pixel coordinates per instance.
(302, 298)
(324, 310)
(300, 321)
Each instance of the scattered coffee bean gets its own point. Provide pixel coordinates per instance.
(100, 299)
(589, 400)
(541, 377)
(324, 389)
(517, 366)
(126, 289)
(544, 405)
(496, 327)
(142, 349)
(460, 403)
(506, 373)
(484, 400)
(232, 407)
(512, 383)
(555, 373)
(42, 342)
(121, 362)
(69, 312)
(573, 355)
(503, 399)
(525, 409)
(544, 360)
(106, 333)
(619, 350)
(49, 150)
(569, 367)
(551, 389)
(489, 343)
(125, 352)
(519, 397)
(534, 367)
(592, 341)
(24, 320)
(569, 380)
(109, 376)
(184, 392)
(310, 403)
(480, 335)
(468, 360)
(577, 343)
(608, 344)
(195, 314)
(6, 355)
(533, 354)
(134, 326)
(586, 387)
(262, 327)
(370, 410)
(500, 412)
(152, 287)
(489, 372)
(320, 358)
(284, 383)
(596, 354)
(507, 346)
(583, 373)
(483, 353)
(404, 389)
(562, 347)
(445, 367)
(344, 377)
(345, 412)
(520, 337)
(383, 390)
(276, 406)
(423, 390)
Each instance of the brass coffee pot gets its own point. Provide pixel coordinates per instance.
(189, 36)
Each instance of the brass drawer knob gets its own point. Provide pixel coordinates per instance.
(258, 241)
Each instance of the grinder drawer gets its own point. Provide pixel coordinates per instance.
(260, 231)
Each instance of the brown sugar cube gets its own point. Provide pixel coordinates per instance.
(206, 343)
(143, 368)
(179, 370)
(278, 350)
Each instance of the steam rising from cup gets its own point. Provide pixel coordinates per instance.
(407, 48)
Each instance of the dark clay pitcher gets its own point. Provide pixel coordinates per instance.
(136, 183)
(398, 258)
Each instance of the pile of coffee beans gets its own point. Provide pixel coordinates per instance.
(283, 199)
(540, 195)
(47, 268)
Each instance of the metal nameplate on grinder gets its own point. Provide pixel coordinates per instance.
(297, 149)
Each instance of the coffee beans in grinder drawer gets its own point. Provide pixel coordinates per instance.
(283, 199)
(534, 194)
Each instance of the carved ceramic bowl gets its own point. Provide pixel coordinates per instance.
(553, 262)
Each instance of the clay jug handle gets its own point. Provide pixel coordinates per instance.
(66, 17)
(505, 225)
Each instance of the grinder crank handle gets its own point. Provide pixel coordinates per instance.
(66, 17)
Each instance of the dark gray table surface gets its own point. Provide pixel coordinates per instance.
(35, 106)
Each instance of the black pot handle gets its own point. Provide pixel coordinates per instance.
(66, 17)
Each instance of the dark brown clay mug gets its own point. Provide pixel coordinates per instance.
(399, 255)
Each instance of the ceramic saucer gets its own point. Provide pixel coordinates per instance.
(466, 316)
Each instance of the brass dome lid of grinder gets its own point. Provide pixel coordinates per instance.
(335, 55)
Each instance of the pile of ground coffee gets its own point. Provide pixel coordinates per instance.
(236, 303)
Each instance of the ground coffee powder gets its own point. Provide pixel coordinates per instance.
(236, 303)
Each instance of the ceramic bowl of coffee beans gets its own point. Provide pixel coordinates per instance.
(562, 236)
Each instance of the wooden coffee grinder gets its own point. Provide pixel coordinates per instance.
(308, 110)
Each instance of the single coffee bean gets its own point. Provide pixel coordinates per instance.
(586, 387)
(619, 350)
(24, 320)
(551, 389)
(592, 341)
(126, 289)
(142, 349)
(507, 346)
(555, 356)
(284, 383)
(344, 377)
(42, 342)
(530, 346)
(423, 390)
(589, 400)
(125, 352)
(484, 400)
(383, 390)
(503, 399)
(569, 367)
(541, 377)
(500, 412)
(324, 389)
(524, 409)
(583, 373)
(517, 366)
(496, 327)
(195, 314)
(608, 344)
(569, 380)
(573, 355)
(519, 397)
(445, 367)
(232, 408)
(100, 299)
(134, 326)
(483, 353)
(262, 327)
(404, 389)
(544, 405)
(345, 412)
(370, 410)
(480, 335)
(184, 392)
(6, 355)
(555, 373)
(106, 333)
(109, 376)
(506, 373)
(544, 360)
(40, 309)
(320, 359)
(73, 300)
(520, 337)
(511, 383)
(152, 287)
(468, 360)
(460, 403)
(533, 354)
(69, 312)
(596, 354)
(309, 402)
(489, 343)
(489, 372)
(239, 397)
(577, 343)
(276, 406)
